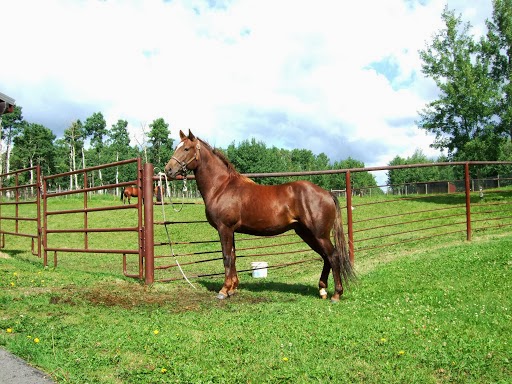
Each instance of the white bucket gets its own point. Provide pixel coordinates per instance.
(259, 269)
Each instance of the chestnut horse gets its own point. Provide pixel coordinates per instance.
(235, 203)
(134, 192)
(128, 193)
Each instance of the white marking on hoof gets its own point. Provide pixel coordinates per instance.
(323, 293)
(221, 296)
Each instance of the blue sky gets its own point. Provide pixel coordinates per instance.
(332, 76)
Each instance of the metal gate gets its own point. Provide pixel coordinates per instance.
(85, 229)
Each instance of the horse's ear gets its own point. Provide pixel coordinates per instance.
(191, 135)
(182, 135)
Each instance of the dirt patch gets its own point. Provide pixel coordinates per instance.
(4, 256)
(130, 295)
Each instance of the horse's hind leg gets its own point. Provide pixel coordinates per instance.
(322, 283)
(310, 240)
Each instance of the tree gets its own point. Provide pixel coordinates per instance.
(161, 148)
(497, 49)
(143, 142)
(321, 163)
(118, 148)
(34, 146)
(399, 178)
(95, 128)
(463, 118)
(11, 124)
(251, 156)
(74, 138)
(360, 181)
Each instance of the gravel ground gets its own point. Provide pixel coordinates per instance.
(13, 370)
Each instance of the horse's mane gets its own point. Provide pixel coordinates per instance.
(218, 153)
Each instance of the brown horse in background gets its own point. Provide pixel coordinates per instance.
(235, 203)
(128, 193)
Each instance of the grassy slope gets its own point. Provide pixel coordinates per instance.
(429, 317)
(441, 314)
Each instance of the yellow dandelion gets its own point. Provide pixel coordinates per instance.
(285, 359)
(401, 353)
(36, 340)
(12, 284)
(15, 273)
(9, 330)
(383, 340)
(156, 331)
(163, 370)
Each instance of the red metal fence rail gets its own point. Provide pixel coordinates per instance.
(461, 215)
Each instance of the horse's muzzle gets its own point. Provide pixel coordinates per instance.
(172, 173)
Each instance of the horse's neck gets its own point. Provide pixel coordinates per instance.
(210, 174)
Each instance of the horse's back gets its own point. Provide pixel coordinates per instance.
(273, 209)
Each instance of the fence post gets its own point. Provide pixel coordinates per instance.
(468, 201)
(348, 190)
(39, 192)
(149, 236)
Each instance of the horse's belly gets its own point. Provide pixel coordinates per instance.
(268, 225)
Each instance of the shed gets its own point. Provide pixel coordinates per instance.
(6, 104)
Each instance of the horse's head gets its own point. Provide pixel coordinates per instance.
(185, 157)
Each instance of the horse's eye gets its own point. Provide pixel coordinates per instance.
(187, 149)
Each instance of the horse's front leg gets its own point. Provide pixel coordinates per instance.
(227, 240)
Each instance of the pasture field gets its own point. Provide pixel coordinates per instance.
(431, 310)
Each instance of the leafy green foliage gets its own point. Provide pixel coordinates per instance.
(251, 156)
(471, 118)
(34, 146)
(161, 144)
(398, 178)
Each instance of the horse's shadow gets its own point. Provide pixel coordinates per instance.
(261, 286)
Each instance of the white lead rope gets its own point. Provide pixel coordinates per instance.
(160, 175)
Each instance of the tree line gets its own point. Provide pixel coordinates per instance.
(90, 143)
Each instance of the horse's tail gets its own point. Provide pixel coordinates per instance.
(346, 268)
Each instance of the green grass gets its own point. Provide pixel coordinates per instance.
(435, 311)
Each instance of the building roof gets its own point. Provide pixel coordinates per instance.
(6, 104)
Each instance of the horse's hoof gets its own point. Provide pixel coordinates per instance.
(221, 296)
(231, 293)
(335, 300)
(323, 293)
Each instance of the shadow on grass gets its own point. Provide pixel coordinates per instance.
(262, 286)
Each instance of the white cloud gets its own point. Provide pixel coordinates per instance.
(281, 71)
